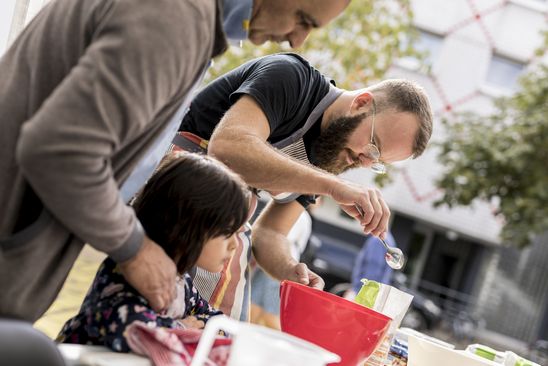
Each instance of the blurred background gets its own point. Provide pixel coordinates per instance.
(472, 212)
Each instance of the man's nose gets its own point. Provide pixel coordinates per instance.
(364, 161)
(297, 37)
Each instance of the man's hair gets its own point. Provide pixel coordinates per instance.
(190, 199)
(406, 96)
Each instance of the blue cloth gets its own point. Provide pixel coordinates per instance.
(236, 14)
(371, 263)
(265, 291)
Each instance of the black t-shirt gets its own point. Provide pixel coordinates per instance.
(284, 85)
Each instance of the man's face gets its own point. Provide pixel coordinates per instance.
(290, 20)
(343, 143)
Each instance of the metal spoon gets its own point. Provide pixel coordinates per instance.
(394, 256)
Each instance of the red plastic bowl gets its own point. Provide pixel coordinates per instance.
(341, 326)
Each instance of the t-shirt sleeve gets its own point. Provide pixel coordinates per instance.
(276, 84)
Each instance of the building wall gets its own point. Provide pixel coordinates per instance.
(468, 40)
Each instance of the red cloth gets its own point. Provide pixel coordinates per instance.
(171, 347)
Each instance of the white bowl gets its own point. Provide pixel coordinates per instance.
(425, 353)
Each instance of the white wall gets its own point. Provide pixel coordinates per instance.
(27, 9)
(6, 14)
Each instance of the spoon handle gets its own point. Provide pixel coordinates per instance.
(394, 256)
(385, 244)
(362, 213)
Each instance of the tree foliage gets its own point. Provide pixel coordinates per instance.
(503, 158)
(354, 50)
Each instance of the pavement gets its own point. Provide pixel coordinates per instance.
(73, 292)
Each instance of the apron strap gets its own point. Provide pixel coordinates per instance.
(326, 101)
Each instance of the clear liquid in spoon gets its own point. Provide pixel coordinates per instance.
(394, 259)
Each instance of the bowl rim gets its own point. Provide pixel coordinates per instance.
(332, 298)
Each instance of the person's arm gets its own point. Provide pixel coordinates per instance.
(240, 141)
(272, 249)
(127, 74)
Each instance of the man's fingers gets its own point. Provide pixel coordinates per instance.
(375, 213)
(152, 273)
(316, 281)
(382, 228)
(372, 226)
(301, 270)
(157, 303)
(352, 211)
(307, 277)
(368, 211)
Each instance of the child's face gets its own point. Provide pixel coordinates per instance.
(216, 252)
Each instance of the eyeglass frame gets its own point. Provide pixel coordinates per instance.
(377, 167)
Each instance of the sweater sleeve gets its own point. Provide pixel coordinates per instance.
(140, 57)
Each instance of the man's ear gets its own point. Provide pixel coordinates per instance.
(362, 102)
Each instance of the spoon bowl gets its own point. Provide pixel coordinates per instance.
(394, 256)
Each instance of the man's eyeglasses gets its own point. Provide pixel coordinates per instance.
(374, 152)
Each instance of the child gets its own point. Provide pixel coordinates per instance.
(193, 207)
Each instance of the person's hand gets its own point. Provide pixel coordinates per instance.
(376, 211)
(153, 274)
(192, 322)
(301, 274)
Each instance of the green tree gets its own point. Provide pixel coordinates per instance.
(355, 50)
(503, 158)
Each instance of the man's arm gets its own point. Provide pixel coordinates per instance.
(240, 141)
(126, 76)
(272, 249)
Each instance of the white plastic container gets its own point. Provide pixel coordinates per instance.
(426, 353)
(254, 345)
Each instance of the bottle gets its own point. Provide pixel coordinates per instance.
(487, 353)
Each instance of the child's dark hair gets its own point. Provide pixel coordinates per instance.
(191, 199)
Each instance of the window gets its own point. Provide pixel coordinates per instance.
(428, 44)
(504, 72)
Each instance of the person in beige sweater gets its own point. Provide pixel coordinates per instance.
(91, 93)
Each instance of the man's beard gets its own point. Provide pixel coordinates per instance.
(332, 141)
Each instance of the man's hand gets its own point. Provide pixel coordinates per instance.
(376, 211)
(301, 274)
(153, 274)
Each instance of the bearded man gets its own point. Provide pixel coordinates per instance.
(285, 127)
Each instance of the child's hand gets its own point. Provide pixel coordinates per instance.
(192, 322)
